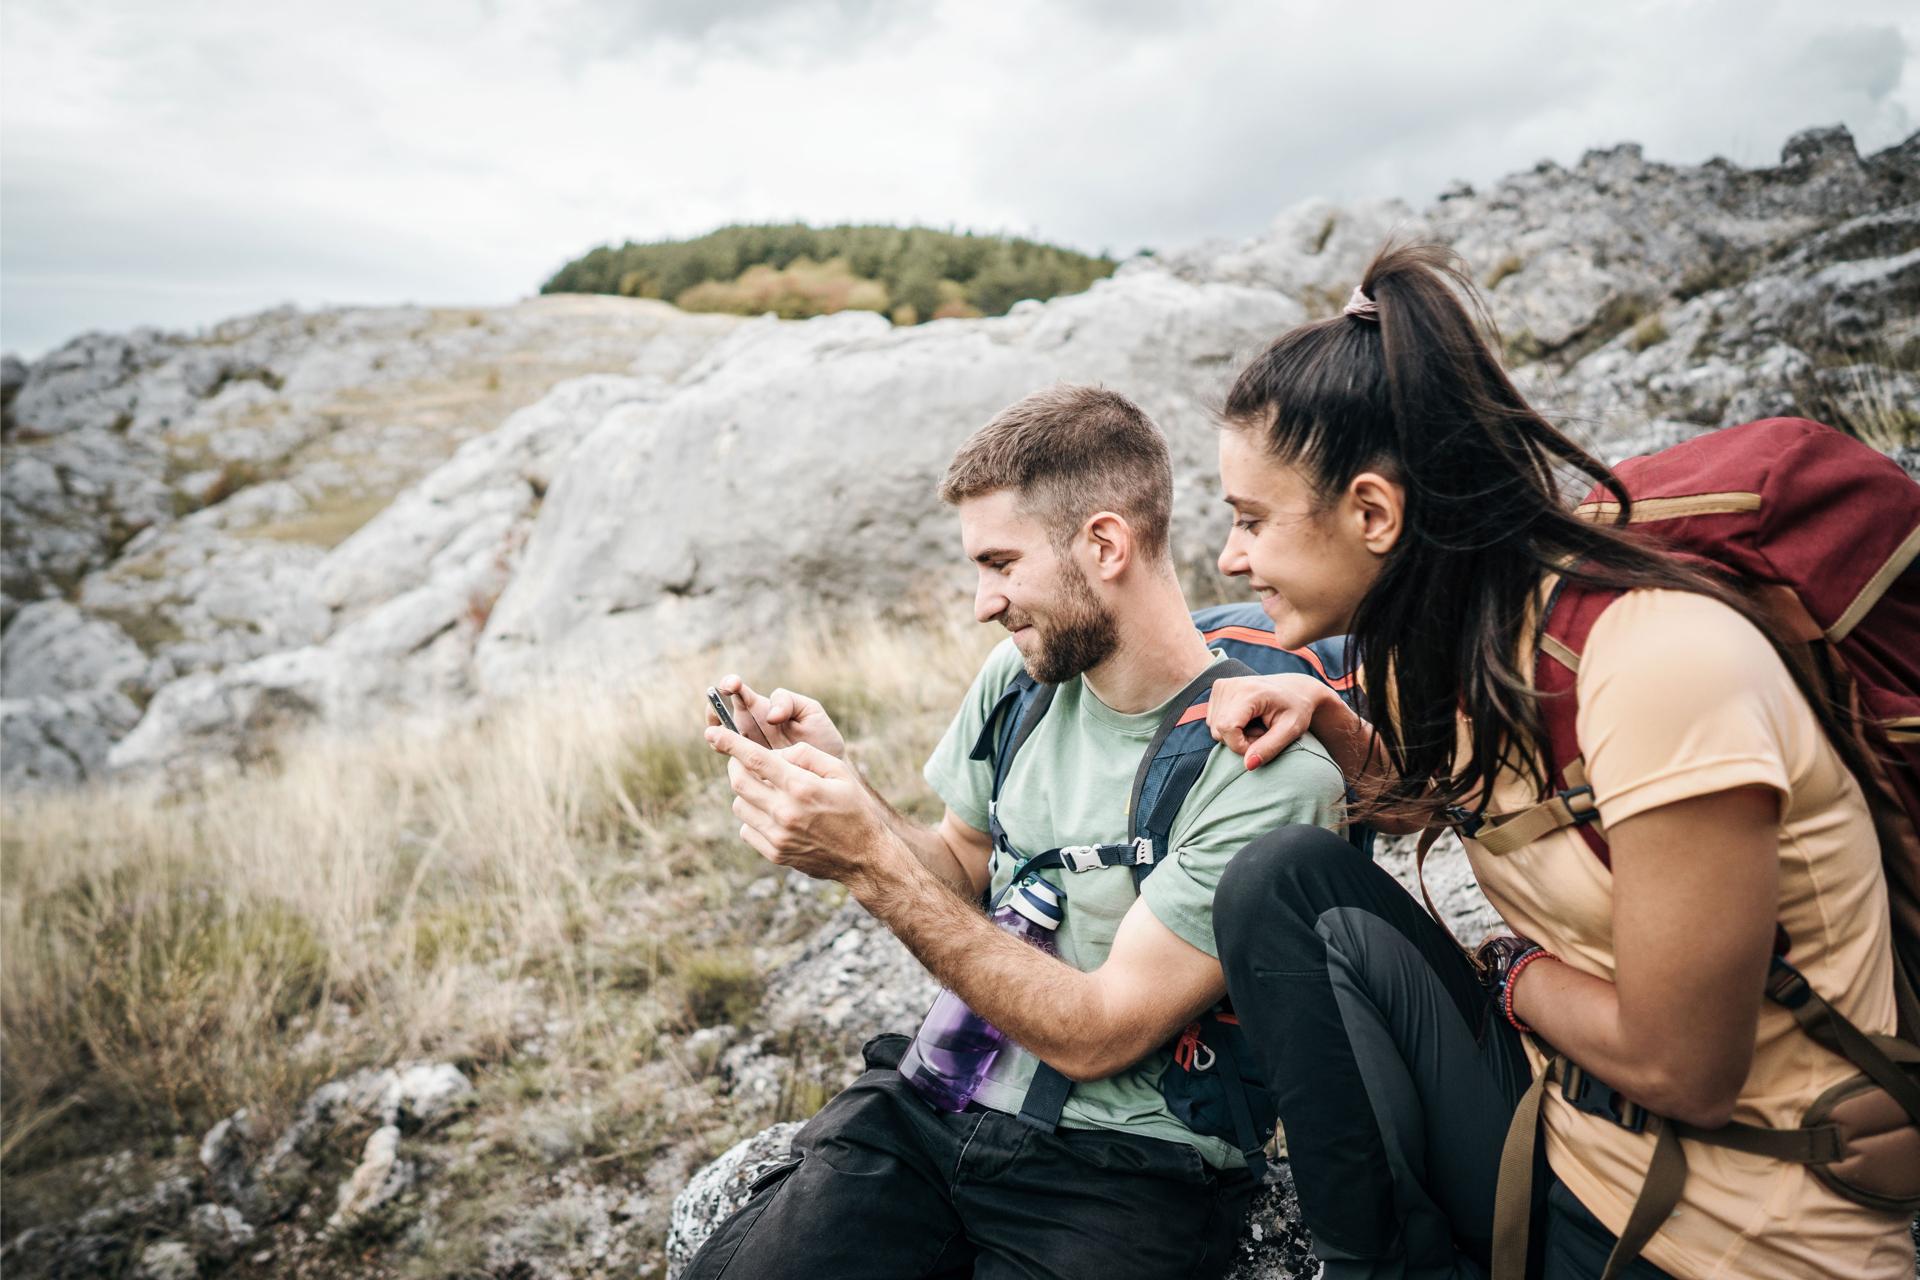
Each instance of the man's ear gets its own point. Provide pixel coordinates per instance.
(1107, 540)
(1379, 510)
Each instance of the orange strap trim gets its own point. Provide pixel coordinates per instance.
(1267, 640)
(1198, 711)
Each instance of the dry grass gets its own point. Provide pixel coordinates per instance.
(564, 868)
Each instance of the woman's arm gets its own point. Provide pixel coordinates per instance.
(1695, 889)
(1260, 716)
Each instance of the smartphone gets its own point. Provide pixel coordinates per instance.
(722, 708)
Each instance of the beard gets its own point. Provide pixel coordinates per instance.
(1078, 635)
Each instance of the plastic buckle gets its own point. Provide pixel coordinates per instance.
(1587, 810)
(1142, 851)
(1467, 822)
(1082, 857)
(1596, 1097)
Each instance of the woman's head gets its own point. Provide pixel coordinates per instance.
(1390, 482)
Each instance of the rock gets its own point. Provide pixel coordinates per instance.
(226, 1155)
(329, 518)
(720, 1188)
(218, 1232)
(52, 649)
(167, 1260)
(629, 558)
(424, 1094)
(377, 1179)
(61, 740)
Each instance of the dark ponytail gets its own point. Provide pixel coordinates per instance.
(1410, 387)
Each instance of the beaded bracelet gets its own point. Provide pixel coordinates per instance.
(1513, 974)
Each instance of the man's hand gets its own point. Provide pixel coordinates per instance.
(800, 807)
(786, 717)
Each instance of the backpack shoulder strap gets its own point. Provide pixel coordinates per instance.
(1008, 726)
(1174, 761)
(1566, 622)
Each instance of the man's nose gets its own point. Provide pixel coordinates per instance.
(988, 603)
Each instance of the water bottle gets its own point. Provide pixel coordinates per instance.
(950, 1056)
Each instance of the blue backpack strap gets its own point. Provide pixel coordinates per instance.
(1171, 765)
(1173, 762)
(1008, 726)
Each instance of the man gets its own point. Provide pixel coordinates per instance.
(1064, 502)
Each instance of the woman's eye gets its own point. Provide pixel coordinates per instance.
(1249, 525)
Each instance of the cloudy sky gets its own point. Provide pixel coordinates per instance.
(174, 164)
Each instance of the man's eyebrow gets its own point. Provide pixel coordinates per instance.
(995, 553)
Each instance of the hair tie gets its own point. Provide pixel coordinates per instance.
(1361, 307)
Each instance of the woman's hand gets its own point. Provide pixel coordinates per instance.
(786, 718)
(1260, 716)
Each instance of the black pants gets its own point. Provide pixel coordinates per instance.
(1395, 1075)
(885, 1187)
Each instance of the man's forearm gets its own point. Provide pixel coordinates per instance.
(928, 846)
(1046, 1005)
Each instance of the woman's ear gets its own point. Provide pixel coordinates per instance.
(1379, 508)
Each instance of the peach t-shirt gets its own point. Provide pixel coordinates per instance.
(1680, 697)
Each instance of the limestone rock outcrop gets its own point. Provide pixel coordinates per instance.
(329, 518)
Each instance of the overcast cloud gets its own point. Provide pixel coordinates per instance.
(177, 164)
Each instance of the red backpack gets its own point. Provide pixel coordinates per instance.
(1824, 532)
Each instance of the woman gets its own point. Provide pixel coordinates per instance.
(1388, 481)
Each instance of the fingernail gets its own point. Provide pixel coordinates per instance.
(1253, 761)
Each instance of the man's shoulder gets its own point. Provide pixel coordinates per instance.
(1303, 773)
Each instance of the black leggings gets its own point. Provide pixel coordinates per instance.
(1395, 1075)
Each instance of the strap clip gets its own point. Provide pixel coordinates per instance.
(1581, 804)
(1081, 857)
(1596, 1097)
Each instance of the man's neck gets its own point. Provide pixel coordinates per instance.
(1159, 652)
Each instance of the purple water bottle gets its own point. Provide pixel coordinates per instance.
(949, 1057)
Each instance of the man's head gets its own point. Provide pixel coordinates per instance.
(1065, 499)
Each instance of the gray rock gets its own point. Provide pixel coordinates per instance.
(720, 1188)
(423, 1094)
(52, 649)
(167, 1260)
(218, 1232)
(64, 740)
(377, 1179)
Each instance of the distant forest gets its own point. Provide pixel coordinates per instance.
(910, 274)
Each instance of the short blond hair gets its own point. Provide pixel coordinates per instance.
(1067, 452)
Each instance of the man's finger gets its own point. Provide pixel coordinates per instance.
(763, 762)
(815, 761)
(750, 788)
(759, 844)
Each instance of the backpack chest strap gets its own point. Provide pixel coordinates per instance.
(1573, 806)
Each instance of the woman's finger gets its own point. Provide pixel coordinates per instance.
(1286, 729)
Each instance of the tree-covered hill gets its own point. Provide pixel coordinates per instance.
(793, 270)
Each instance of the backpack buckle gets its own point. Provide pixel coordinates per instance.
(1081, 857)
(1143, 854)
(1581, 804)
(1588, 1093)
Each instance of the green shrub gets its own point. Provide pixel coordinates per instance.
(796, 270)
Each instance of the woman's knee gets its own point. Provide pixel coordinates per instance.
(1286, 870)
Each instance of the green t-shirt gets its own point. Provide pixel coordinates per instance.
(1069, 785)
